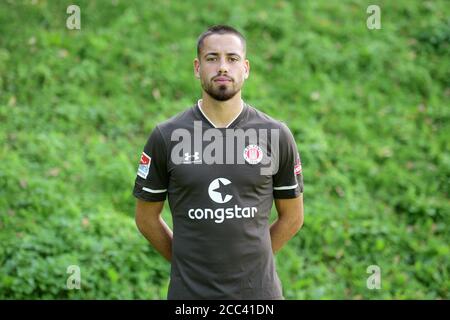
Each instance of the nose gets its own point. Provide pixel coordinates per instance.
(223, 66)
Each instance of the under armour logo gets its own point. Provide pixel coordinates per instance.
(192, 158)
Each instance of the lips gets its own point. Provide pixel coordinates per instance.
(222, 79)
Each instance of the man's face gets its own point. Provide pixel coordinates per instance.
(222, 67)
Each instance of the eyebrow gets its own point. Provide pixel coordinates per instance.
(216, 54)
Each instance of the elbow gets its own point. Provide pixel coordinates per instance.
(139, 220)
(298, 224)
(292, 223)
(145, 220)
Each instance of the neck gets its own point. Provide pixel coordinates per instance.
(221, 113)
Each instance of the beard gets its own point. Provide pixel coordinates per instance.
(222, 92)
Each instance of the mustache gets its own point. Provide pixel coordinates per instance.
(222, 76)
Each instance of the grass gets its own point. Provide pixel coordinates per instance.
(369, 110)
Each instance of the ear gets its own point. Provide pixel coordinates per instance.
(247, 68)
(197, 68)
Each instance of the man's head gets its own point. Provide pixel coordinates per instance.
(220, 64)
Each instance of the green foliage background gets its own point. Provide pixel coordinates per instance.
(369, 110)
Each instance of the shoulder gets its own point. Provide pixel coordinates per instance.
(258, 118)
(179, 120)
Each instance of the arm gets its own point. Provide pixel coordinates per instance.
(290, 220)
(152, 226)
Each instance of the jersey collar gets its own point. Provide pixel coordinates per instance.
(232, 123)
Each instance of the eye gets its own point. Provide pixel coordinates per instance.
(211, 59)
(234, 59)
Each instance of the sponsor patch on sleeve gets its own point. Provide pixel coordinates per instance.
(144, 166)
(298, 165)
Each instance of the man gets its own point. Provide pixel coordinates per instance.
(221, 163)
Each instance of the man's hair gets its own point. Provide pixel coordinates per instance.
(219, 29)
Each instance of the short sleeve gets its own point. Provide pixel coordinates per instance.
(152, 178)
(288, 180)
